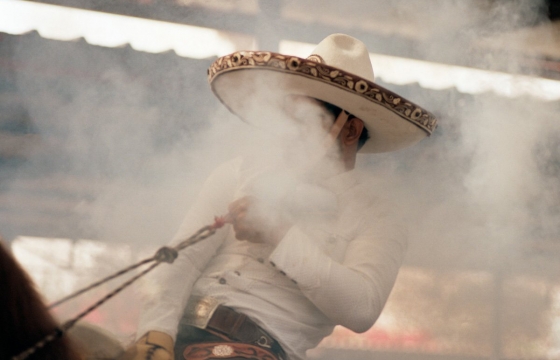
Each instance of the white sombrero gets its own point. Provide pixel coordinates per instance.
(338, 71)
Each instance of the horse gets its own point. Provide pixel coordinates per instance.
(24, 317)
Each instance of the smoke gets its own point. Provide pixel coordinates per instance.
(481, 194)
(118, 138)
(488, 150)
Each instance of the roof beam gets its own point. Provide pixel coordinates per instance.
(266, 26)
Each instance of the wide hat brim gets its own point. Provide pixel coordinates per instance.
(250, 82)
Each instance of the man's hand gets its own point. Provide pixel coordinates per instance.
(254, 223)
(154, 345)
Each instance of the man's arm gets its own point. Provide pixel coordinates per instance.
(351, 293)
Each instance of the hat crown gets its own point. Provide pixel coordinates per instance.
(346, 53)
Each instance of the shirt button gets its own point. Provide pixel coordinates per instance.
(222, 281)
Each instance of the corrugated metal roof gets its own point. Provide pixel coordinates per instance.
(110, 30)
(17, 17)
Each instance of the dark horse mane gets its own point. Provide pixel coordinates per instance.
(24, 318)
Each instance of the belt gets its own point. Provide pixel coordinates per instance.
(239, 327)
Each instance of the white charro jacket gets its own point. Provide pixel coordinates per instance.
(321, 274)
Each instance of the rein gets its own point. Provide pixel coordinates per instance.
(164, 254)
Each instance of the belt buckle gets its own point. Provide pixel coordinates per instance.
(199, 310)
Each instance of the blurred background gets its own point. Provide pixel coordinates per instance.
(108, 129)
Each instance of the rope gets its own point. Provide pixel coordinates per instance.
(163, 254)
(100, 282)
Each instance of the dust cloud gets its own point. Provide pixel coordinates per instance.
(479, 195)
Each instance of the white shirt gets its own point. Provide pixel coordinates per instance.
(321, 274)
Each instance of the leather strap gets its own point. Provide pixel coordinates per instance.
(227, 350)
(239, 327)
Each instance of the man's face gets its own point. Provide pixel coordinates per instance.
(309, 114)
(311, 123)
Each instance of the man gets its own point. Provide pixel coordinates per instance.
(309, 248)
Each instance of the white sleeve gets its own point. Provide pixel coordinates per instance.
(168, 288)
(351, 293)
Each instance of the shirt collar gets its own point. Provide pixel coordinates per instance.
(341, 182)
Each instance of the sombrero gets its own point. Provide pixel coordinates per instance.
(339, 71)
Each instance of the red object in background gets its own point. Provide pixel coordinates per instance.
(416, 339)
(376, 338)
(95, 317)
